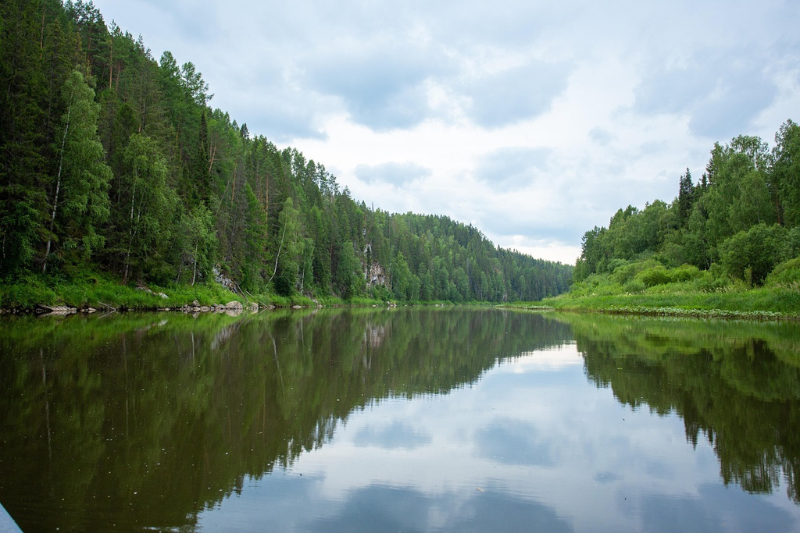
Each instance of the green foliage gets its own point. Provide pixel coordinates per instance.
(288, 250)
(99, 290)
(349, 272)
(657, 275)
(751, 255)
(739, 222)
(381, 293)
(18, 230)
(685, 197)
(141, 178)
(786, 172)
(635, 286)
(150, 204)
(685, 273)
(79, 199)
(785, 275)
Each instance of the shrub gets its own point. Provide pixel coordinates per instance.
(751, 255)
(634, 286)
(685, 273)
(786, 274)
(625, 272)
(707, 282)
(656, 275)
(791, 247)
(381, 292)
(615, 264)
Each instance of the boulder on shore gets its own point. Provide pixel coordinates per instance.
(55, 310)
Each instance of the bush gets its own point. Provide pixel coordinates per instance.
(381, 292)
(786, 274)
(673, 254)
(685, 273)
(625, 272)
(615, 264)
(751, 255)
(657, 275)
(634, 286)
(707, 282)
(791, 247)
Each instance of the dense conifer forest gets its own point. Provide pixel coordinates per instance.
(114, 161)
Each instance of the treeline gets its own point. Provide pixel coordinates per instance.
(740, 221)
(110, 159)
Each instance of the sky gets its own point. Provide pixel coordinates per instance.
(533, 121)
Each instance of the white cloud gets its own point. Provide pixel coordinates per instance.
(618, 98)
(397, 174)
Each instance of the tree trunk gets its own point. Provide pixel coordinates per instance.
(58, 186)
(110, 61)
(194, 274)
(277, 256)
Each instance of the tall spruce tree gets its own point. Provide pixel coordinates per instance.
(685, 198)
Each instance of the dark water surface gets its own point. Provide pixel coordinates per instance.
(399, 420)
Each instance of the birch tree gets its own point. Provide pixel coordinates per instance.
(79, 199)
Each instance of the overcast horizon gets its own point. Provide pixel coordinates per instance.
(532, 121)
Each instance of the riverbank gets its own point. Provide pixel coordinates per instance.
(100, 292)
(736, 302)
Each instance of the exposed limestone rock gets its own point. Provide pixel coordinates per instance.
(223, 280)
(375, 275)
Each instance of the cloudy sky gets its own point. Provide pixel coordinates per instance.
(533, 121)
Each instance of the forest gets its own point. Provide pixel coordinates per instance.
(737, 226)
(112, 161)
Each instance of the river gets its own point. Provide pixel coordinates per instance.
(409, 419)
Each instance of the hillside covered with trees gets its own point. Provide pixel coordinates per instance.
(113, 161)
(737, 227)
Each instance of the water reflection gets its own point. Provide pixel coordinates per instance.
(405, 419)
(147, 420)
(735, 384)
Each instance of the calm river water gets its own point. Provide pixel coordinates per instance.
(399, 420)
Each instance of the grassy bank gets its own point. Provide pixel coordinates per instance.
(649, 288)
(103, 291)
(763, 302)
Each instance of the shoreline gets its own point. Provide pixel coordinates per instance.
(666, 312)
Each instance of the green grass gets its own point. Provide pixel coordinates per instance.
(649, 288)
(92, 289)
(763, 302)
(102, 290)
